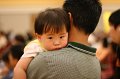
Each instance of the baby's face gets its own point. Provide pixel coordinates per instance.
(54, 41)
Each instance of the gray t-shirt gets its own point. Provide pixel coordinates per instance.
(76, 61)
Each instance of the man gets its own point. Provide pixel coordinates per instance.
(77, 60)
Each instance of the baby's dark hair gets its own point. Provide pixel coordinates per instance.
(52, 20)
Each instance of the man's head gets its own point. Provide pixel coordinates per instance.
(85, 13)
(114, 21)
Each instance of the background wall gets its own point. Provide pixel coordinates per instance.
(27, 6)
(17, 23)
(18, 15)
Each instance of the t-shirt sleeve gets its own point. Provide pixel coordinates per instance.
(31, 50)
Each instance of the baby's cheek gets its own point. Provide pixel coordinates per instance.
(48, 47)
(64, 44)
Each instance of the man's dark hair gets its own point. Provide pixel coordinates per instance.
(52, 20)
(85, 13)
(114, 18)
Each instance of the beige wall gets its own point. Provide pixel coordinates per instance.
(34, 6)
(17, 23)
(110, 1)
(27, 6)
(17, 15)
(44, 2)
(30, 2)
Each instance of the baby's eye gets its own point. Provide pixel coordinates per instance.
(50, 37)
(62, 37)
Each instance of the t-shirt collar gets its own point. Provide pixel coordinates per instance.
(83, 48)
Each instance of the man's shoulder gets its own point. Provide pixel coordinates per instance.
(54, 52)
(57, 52)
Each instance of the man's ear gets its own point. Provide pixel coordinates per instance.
(38, 36)
(71, 18)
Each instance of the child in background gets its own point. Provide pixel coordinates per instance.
(10, 58)
(51, 30)
(5, 70)
(107, 57)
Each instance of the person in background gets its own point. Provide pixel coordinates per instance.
(51, 29)
(30, 36)
(114, 21)
(78, 59)
(18, 39)
(3, 40)
(6, 72)
(107, 56)
(15, 53)
(10, 58)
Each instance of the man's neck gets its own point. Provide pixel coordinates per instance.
(79, 37)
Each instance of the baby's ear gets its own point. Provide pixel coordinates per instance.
(38, 36)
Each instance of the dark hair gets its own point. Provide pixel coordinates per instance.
(2, 33)
(85, 13)
(114, 18)
(16, 51)
(105, 42)
(52, 20)
(5, 57)
(116, 49)
(20, 38)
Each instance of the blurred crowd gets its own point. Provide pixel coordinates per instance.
(11, 49)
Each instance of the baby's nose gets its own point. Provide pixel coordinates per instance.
(56, 42)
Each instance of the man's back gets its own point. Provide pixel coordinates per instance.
(77, 61)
